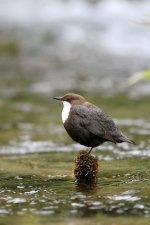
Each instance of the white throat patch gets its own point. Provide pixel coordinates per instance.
(65, 111)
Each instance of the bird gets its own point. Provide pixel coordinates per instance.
(88, 124)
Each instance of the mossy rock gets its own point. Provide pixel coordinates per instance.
(86, 167)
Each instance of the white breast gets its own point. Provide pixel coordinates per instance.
(65, 111)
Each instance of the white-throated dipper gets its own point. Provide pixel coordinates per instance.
(87, 124)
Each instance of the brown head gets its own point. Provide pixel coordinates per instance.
(72, 98)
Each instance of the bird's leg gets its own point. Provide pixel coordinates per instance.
(89, 151)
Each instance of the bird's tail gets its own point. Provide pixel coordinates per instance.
(126, 139)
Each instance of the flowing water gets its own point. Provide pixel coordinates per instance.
(91, 50)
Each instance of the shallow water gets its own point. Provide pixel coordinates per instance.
(37, 159)
(37, 185)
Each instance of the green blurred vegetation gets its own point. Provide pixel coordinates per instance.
(139, 76)
(9, 48)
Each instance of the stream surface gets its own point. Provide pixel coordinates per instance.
(49, 48)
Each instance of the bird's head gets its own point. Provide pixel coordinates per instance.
(73, 99)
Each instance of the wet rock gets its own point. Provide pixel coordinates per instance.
(86, 167)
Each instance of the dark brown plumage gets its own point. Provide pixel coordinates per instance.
(89, 125)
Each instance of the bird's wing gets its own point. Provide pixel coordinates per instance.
(97, 122)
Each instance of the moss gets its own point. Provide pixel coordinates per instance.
(86, 167)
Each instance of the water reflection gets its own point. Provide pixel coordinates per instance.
(58, 196)
(86, 187)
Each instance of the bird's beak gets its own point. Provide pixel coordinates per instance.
(58, 98)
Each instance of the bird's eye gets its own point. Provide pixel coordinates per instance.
(68, 99)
